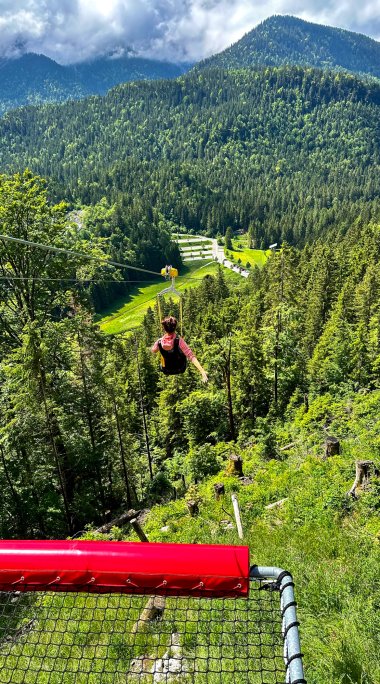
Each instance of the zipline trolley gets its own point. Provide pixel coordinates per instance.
(170, 273)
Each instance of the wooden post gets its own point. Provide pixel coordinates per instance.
(235, 466)
(332, 447)
(363, 476)
(139, 530)
(156, 604)
(219, 490)
(152, 611)
(239, 526)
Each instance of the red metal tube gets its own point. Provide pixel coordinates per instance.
(134, 568)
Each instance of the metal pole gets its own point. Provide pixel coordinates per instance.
(292, 647)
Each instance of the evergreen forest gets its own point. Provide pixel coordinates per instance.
(283, 40)
(34, 79)
(90, 428)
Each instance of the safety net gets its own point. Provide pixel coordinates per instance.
(98, 635)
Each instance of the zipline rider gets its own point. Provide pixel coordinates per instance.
(174, 351)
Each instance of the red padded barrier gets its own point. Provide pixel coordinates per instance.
(134, 568)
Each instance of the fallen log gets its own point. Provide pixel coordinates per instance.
(276, 504)
(120, 520)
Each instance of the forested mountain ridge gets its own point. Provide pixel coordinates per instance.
(290, 151)
(33, 79)
(285, 40)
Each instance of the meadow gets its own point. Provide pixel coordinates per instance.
(127, 313)
(254, 257)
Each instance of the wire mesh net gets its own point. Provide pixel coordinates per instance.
(87, 638)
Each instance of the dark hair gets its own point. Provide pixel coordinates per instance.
(169, 324)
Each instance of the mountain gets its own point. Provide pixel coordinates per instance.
(282, 40)
(292, 152)
(33, 78)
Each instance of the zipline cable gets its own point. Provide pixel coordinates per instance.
(106, 262)
(61, 250)
(89, 280)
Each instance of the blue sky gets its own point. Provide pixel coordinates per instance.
(178, 30)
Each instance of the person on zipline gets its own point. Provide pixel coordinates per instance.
(174, 351)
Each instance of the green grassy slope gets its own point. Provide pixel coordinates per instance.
(124, 314)
(328, 541)
(255, 257)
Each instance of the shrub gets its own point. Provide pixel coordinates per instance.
(202, 461)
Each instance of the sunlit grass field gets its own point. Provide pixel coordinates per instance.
(127, 313)
(254, 257)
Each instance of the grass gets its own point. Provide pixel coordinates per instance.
(127, 313)
(255, 257)
(92, 639)
(329, 542)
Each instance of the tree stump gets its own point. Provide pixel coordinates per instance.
(332, 447)
(219, 490)
(235, 466)
(152, 611)
(363, 476)
(193, 507)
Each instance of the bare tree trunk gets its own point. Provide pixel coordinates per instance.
(91, 426)
(219, 490)
(121, 450)
(193, 507)
(235, 465)
(145, 426)
(23, 455)
(227, 377)
(22, 527)
(65, 477)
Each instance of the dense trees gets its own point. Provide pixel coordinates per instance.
(34, 79)
(290, 153)
(71, 431)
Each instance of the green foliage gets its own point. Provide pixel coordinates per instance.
(204, 416)
(202, 461)
(200, 153)
(228, 238)
(292, 352)
(33, 79)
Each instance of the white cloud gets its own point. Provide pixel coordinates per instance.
(74, 30)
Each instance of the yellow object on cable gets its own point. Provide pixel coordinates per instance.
(169, 272)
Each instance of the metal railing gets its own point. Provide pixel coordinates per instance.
(89, 612)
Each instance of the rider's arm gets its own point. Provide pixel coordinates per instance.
(202, 371)
(191, 356)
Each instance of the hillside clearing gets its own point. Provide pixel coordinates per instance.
(128, 313)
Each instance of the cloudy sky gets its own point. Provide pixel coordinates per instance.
(74, 30)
